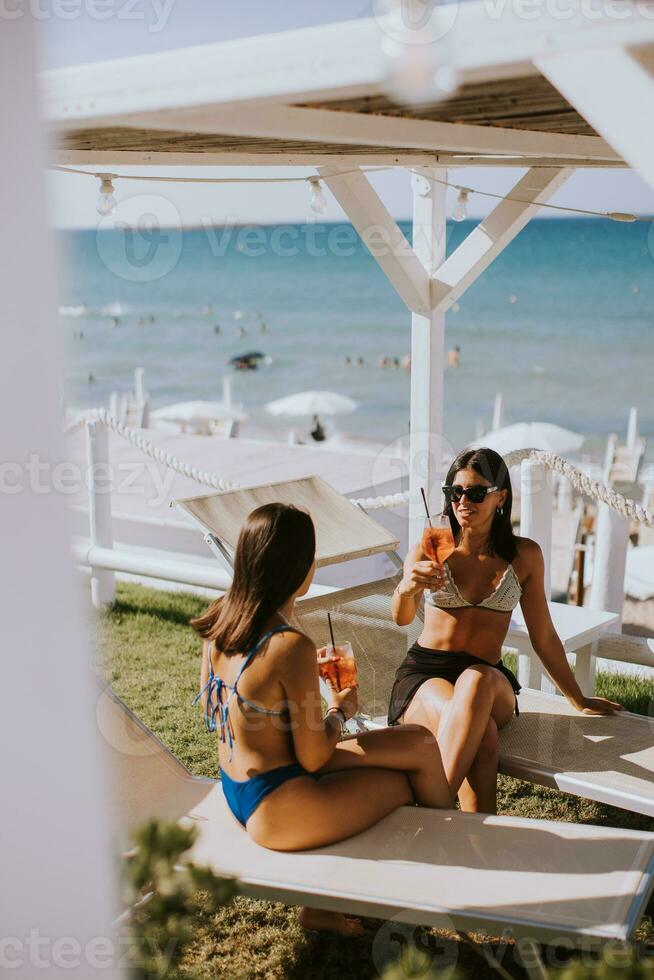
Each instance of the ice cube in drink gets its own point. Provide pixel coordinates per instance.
(329, 672)
(346, 667)
(437, 543)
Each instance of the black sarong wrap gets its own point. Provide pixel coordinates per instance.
(422, 663)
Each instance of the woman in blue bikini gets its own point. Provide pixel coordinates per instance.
(285, 776)
(453, 680)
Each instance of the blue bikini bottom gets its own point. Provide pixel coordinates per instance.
(244, 796)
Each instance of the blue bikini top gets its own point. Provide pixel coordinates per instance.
(216, 685)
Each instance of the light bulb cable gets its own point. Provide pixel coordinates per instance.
(315, 181)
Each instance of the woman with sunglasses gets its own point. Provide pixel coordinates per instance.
(453, 680)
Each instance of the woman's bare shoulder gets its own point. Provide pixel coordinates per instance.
(528, 552)
(290, 642)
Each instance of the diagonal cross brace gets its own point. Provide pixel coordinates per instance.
(493, 234)
(381, 234)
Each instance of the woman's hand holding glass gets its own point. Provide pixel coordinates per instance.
(346, 699)
(423, 575)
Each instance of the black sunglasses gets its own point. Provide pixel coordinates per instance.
(475, 494)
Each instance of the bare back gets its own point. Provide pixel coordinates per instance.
(261, 741)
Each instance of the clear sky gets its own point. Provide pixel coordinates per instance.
(155, 25)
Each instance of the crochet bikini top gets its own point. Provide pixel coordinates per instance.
(503, 599)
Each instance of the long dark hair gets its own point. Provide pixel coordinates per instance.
(273, 556)
(492, 467)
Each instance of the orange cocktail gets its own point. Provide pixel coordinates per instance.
(341, 672)
(437, 543)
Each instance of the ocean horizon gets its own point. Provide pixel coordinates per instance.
(561, 323)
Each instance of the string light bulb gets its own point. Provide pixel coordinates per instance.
(318, 202)
(460, 212)
(106, 201)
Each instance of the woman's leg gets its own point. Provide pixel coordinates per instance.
(411, 749)
(477, 792)
(480, 694)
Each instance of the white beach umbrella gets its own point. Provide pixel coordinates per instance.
(197, 413)
(312, 403)
(531, 435)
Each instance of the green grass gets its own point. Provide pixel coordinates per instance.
(152, 659)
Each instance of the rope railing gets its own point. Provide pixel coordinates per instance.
(582, 482)
(149, 449)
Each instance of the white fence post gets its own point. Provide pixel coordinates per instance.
(632, 428)
(498, 412)
(103, 581)
(611, 540)
(536, 522)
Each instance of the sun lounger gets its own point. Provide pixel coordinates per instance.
(609, 760)
(539, 880)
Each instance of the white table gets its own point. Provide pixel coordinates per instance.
(577, 627)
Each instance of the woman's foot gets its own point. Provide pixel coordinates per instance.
(322, 921)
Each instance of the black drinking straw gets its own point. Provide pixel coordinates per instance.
(331, 631)
(424, 500)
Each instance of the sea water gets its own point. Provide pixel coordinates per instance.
(562, 323)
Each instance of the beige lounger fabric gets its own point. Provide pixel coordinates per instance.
(465, 871)
(343, 531)
(610, 759)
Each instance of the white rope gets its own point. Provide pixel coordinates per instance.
(580, 480)
(584, 484)
(154, 452)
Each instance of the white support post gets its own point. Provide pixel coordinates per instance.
(494, 233)
(103, 581)
(139, 385)
(564, 495)
(609, 455)
(498, 412)
(536, 499)
(611, 87)
(427, 355)
(611, 540)
(632, 428)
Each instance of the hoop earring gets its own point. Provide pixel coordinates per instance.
(500, 511)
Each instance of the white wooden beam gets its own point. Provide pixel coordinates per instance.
(493, 234)
(381, 234)
(98, 160)
(613, 88)
(486, 39)
(366, 129)
(426, 445)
